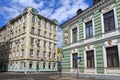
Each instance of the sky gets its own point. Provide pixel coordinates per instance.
(62, 10)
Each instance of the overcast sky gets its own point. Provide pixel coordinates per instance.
(62, 10)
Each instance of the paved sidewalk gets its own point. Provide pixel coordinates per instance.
(66, 78)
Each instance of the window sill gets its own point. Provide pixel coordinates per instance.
(110, 31)
(112, 67)
(90, 68)
(89, 38)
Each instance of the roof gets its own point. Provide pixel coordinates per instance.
(33, 11)
(90, 9)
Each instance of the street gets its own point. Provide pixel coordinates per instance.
(35, 76)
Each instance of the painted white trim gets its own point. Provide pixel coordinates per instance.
(115, 17)
(77, 32)
(84, 30)
(85, 61)
(105, 54)
(93, 25)
(106, 10)
(71, 59)
(71, 34)
(95, 60)
(119, 52)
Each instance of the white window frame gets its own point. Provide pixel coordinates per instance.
(72, 33)
(90, 18)
(32, 51)
(38, 55)
(106, 10)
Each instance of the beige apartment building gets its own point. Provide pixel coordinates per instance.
(29, 43)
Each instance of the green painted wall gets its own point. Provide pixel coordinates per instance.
(66, 61)
(99, 57)
(118, 12)
(81, 54)
(97, 24)
(81, 34)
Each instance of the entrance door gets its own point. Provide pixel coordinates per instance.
(75, 64)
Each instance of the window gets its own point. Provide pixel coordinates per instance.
(54, 46)
(22, 41)
(54, 55)
(17, 54)
(31, 52)
(45, 33)
(90, 59)
(50, 45)
(74, 35)
(37, 66)
(112, 57)
(49, 65)
(54, 37)
(54, 27)
(44, 43)
(24, 20)
(21, 65)
(38, 53)
(39, 22)
(38, 43)
(33, 19)
(32, 30)
(50, 35)
(50, 55)
(75, 65)
(50, 26)
(30, 65)
(45, 24)
(32, 41)
(109, 21)
(54, 65)
(24, 29)
(43, 65)
(89, 29)
(44, 54)
(38, 31)
(22, 52)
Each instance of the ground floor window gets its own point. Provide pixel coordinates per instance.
(90, 59)
(75, 65)
(112, 56)
(49, 65)
(54, 65)
(37, 66)
(43, 65)
(30, 65)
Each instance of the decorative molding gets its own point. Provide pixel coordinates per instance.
(108, 8)
(88, 18)
(88, 11)
(110, 42)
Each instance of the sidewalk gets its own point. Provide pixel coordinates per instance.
(65, 78)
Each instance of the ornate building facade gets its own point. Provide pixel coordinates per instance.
(93, 35)
(29, 43)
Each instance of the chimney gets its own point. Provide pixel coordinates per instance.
(79, 11)
(96, 1)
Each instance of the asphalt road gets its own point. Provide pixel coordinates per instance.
(35, 76)
(22, 76)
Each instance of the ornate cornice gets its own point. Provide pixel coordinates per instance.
(88, 12)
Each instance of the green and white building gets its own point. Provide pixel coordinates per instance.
(93, 35)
